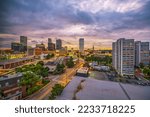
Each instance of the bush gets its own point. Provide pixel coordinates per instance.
(33, 89)
(56, 91)
(59, 69)
(45, 82)
(70, 63)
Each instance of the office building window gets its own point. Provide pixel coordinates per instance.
(6, 84)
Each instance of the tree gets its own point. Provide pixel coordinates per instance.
(52, 55)
(70, 63)
(141, 65)
(56, 91)
(59, 69)
(44, 72)
(29, 79)
(146, 71)
(18, 69)
(41, 63)
(108, 60)
(48, 56)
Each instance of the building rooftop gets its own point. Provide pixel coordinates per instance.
(82, 70)
(15, 60)
(51, 63)
(10, 76)
(93, 89)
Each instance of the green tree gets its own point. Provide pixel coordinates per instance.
(59, 69)
(70, 63)
(141, 65)
(18, 69)
(44, 72)
(41, 63)
(146, 71)
(29, 79)
(56, 91)
(48, 56)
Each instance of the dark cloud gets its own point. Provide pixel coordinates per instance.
(133, 20)
(41, 17)
(33, 15)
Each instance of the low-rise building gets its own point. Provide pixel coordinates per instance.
(42, 46)
(30, 51)
(51, 65)
(16, 47)
(101, 68)
(38, 51)
(84, 72)
(12, 63)
(9, 87)
(92, 89)
(61, 52)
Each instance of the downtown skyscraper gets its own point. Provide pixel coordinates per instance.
(81, 45)
(23, 41)
(58, 44)
(51, 46)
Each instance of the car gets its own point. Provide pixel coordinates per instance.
(137, 78)
(147, 84)
(129, 77)
(138, 83)
(127, 81)
(143, 84)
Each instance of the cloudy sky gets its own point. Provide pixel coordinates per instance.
(99, 21)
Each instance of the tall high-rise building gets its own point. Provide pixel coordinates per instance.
(124, 56)
(23, 41)
(142, 53)
(49, 40)
(58, 44)
(51, 46)
(81, 45)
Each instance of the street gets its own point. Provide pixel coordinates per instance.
(63, 79)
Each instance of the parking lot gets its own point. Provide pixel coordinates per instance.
(98, 75)
(138, 81)
(112, 76)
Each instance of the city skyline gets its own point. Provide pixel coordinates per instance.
(70, 20)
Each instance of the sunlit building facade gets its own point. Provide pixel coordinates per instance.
(81, 45)
(142, 53)
(124, 56)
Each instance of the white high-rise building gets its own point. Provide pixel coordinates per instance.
(81, 45)
(123, 56)
(142, 53)
(114, 55)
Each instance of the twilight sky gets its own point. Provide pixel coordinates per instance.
(99, 21)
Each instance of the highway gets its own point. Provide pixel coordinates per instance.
(63, 79)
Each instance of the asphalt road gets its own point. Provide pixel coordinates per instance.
(63, 79)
